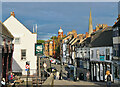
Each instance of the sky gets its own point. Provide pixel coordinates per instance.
(49, 16)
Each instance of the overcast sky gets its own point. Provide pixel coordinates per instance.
(49, 16)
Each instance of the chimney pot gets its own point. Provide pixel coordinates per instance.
(12, 14)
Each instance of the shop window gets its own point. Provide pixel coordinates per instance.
(23, 54)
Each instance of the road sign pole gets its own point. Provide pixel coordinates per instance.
(27, 78)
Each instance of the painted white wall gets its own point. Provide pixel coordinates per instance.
(102, 50)
(64, 52)
(27, 41)
(83, 52)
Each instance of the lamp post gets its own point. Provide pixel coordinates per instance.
(61, 58)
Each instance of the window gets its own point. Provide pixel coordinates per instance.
(81, 64)
(23, 54)
(116, 50)
(116, 32)
(108, 54)
(97, 53)
(91, 53)
(17, 40)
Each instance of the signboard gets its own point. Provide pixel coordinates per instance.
(102, 57)
(38, 48)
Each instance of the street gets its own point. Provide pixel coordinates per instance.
(66, 82)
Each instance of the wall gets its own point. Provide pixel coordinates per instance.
(102, 50)
(27, 41)
(83, 52)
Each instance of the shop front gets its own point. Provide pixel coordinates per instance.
(7, 51)
(98, 70)
(116, 71)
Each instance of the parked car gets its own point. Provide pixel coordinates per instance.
(52, 70)
(52, 60)
(57, 61)
(44, 57)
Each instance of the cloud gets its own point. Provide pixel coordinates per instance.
(45, 36)
(50, 16)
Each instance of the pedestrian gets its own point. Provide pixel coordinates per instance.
(108, 78)
(57, 75)
(88, 75)
(3, 82)
(10, 78)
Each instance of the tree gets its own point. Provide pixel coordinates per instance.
(55, 37)
(40, 41)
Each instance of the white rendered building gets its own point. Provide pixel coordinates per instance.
(24, 46)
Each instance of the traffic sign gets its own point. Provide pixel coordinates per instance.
(26, 69)
(27, 66)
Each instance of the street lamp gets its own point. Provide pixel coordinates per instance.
(61, 58)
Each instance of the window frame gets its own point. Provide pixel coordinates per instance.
(107, 51)
(92, 54)
(18, 40)
(23, 57)
(97, 53)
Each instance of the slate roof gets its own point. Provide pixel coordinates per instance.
(102, 38)
(86, 42)
(4, 31)
(117, 24)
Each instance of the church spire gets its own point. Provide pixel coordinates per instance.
(90, 24)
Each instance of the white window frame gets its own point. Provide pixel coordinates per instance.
(23, 57)
(18, 40)
(92, 54)
(97, 53)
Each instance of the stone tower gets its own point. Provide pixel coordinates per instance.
(90, 24)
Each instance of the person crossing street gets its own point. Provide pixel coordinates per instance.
(108, 78)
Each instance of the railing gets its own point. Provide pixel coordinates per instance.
(31, 79)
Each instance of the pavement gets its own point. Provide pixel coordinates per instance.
(67, 83)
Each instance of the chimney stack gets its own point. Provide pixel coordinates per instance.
(97, 28)
(12, 14)
(87, 35)
(118, 17)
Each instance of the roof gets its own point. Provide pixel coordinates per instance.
(60, 30)
(67, 37)
(75, 41)
(117, 24)
(102, 38)
(5, 31)
(86, 42)
(14, 25)
(72, 40)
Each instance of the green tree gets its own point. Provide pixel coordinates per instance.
(55, 37)
(40, 41)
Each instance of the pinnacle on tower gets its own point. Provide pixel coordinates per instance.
(90, 24)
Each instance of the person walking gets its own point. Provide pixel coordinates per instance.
(88, 75)
(57, 75)
(108, 78)
(3, 82)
